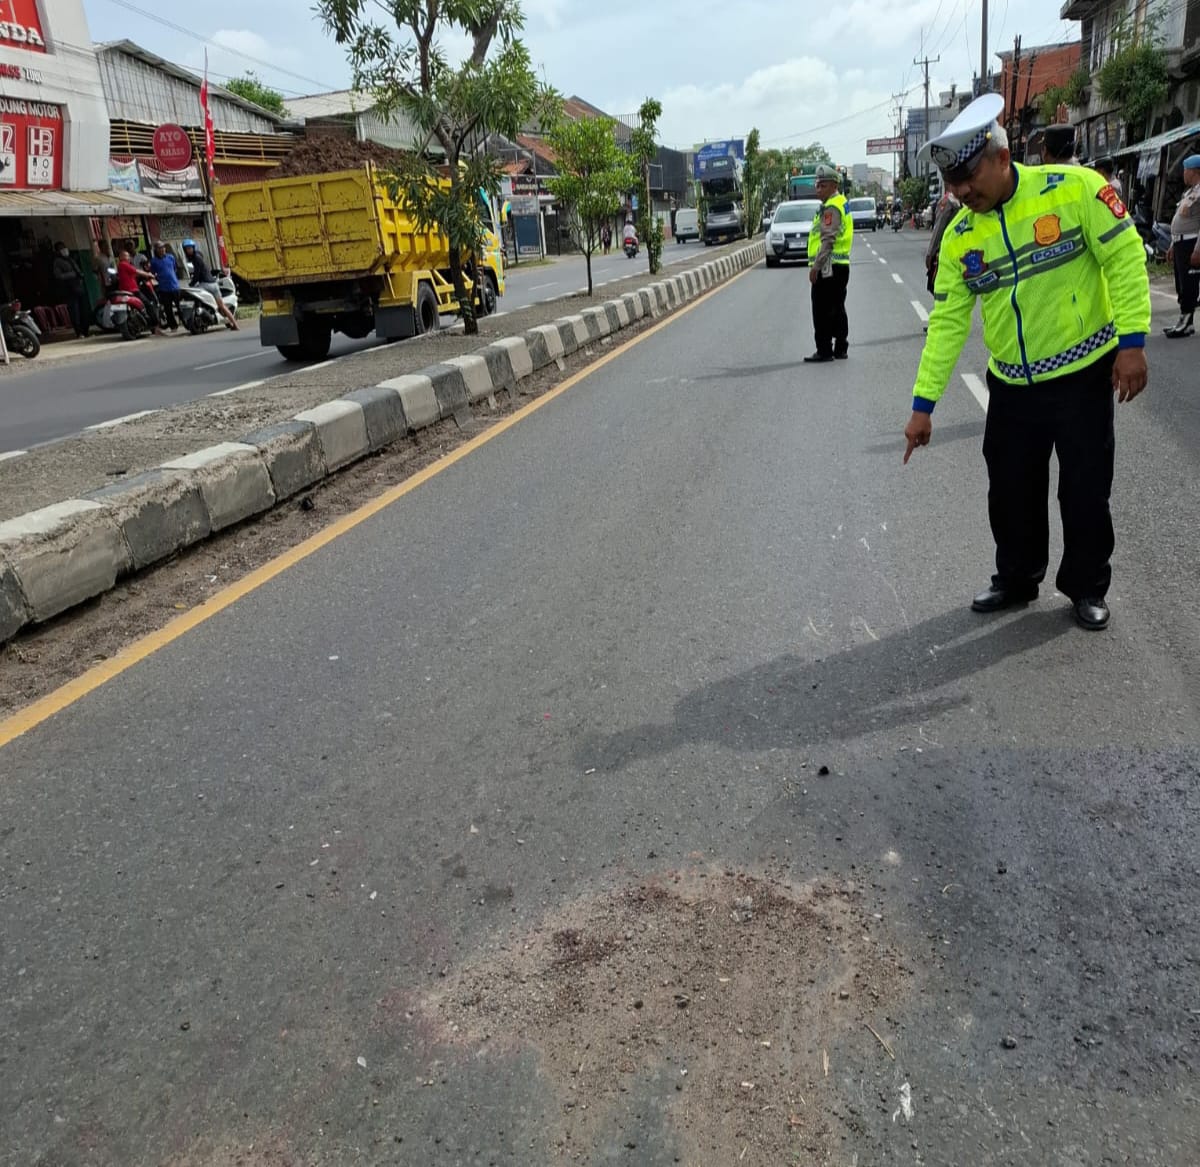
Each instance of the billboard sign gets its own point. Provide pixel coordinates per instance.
(21, 26)
(31, 144)
(728, 148)
(885, 145)
(172, 147)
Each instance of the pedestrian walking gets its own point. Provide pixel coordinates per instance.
(606, 237)
(829, 269)
(1184, 251)
(1031, 241)
(68, 283)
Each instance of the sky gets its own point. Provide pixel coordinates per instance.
(798, 70)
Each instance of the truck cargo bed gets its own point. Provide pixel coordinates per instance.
(320, 227)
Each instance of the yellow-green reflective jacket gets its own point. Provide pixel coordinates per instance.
(845, 235)
(1060, 275)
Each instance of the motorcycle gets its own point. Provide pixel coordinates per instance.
(197, 309)
(1156, 237)
(21, 332)
(123, 312)
(631, 248)
(897, 220)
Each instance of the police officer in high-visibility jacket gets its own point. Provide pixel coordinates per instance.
(1051, 255)
(829, 244)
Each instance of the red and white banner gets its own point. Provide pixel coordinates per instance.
(210, 150)
(21, 26)
(31, 145)
(885, 145)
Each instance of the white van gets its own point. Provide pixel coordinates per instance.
(687, 224)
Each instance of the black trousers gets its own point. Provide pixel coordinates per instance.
(1072, 416)
(79, 308)
(170, 306)
(1187, 287)
(830, 326)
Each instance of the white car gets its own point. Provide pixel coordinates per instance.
(787, 236)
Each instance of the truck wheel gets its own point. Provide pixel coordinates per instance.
(428, 319)
(314, 343)
(488, 296)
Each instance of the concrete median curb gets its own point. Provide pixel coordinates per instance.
(65, 554)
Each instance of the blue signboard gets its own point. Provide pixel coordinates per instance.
(730, 148)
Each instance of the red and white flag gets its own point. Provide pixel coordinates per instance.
(210, 150)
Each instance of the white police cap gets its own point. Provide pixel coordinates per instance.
(825, 172)
(961, 142)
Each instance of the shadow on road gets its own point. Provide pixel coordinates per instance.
(792, 701)
(941, 436)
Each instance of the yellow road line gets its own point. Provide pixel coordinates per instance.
(46, 707)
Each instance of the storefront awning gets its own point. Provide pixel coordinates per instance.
(62, 204)
(1149, 151)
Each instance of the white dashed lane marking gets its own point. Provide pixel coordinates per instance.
(919, 309)
(978, 389)
(897, 277)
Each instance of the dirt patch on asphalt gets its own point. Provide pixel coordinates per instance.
(43, 657)
(716, 998)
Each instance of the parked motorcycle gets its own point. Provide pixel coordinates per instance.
(123, 312)
(1156, 237)
(21, 333)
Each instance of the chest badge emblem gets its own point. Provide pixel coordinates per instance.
(1047, 230)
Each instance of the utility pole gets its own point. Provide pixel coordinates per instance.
(898, 98)
(1016, 69)
(925, 63)
(983, 54)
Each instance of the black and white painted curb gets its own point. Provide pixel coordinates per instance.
(54, 558)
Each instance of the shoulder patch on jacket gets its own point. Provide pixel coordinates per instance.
(962, 226)
(1111, 200)
(827, 219)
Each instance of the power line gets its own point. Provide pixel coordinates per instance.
(841, 121)
(179, 28)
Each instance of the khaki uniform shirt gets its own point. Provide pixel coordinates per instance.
(1186, 223)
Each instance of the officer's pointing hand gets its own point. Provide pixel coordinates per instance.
(918, 432)
(1129, 373)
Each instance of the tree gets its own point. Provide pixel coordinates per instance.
(593, 175)
(407, 71)
(644, 143)
(1135, 77)
(914, 193)
(252, 89)
(752, 184)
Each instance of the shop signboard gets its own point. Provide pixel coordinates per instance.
(31, 144)
(885, 145)
(172, 147)
(525, 184)
(173, 184)
(21, 26)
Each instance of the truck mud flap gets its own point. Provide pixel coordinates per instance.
(277, 330)
(395, 322)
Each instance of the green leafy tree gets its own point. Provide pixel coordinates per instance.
(914, 193)
(752, 183)
(252, 89)
(407, 70)
(644, 144)
(1135, 77)
(1073, 95)
(593, 175)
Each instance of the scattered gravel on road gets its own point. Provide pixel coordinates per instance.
(725, 1014)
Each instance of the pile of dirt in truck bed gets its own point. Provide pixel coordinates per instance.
(324, 152)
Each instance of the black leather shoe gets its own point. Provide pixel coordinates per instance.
(1091, 614)
(818, 358)
(841, 356)
(994, 599)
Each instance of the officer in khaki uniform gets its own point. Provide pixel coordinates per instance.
(1185, 249)
(829, 269)
(1051, 256)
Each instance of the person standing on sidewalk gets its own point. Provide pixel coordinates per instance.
(1184, 251)
(829, 269)
(1052, 257)
(68, 281)
(162, 264)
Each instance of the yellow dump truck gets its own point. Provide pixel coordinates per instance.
(335, 253)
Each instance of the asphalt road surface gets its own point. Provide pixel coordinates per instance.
(61, 398)
(617, 641)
